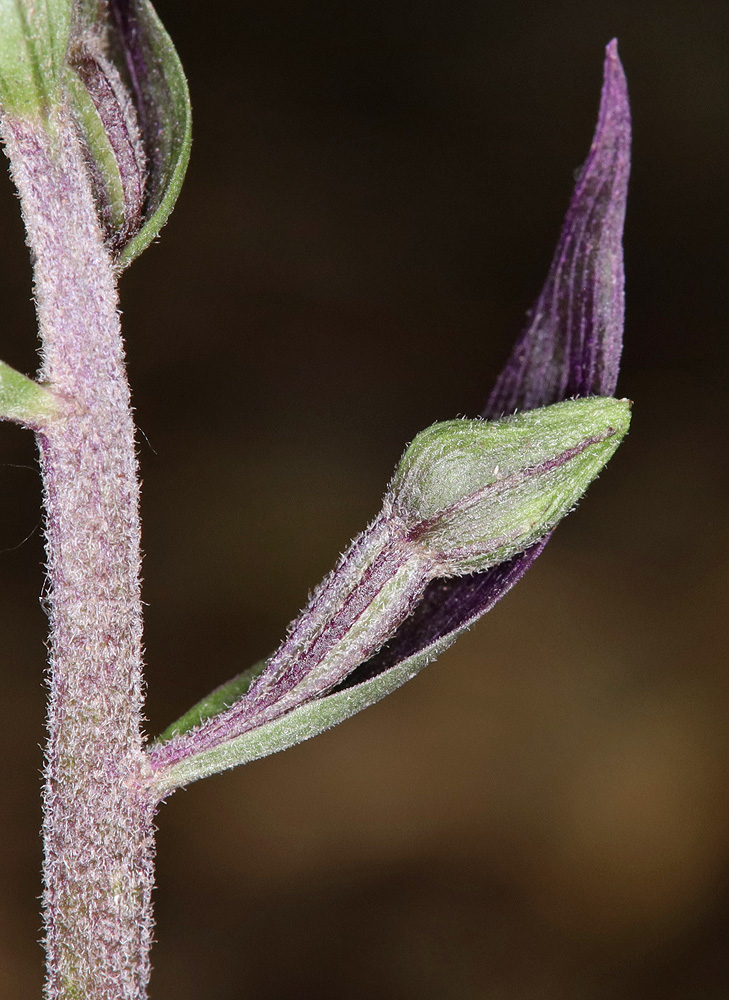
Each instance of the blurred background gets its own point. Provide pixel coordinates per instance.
(374, 196)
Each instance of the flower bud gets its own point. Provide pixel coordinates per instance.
(129, 96)
(110, 72)
(473, 493)
(467, 495)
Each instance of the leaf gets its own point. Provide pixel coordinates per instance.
(25, 401)
(33, 41)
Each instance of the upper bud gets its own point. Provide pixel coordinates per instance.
(129, 95)
(113, 66)
(473, 493)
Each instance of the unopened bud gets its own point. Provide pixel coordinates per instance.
(467, 495)
(113, 66)
(473, 493)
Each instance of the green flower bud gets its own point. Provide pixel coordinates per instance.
(473, 493)
(467, 495)
(33, 42)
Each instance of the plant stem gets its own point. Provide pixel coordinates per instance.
(98, 833)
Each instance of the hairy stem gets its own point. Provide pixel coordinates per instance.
(97, 817)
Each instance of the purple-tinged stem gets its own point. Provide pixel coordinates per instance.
(97, 819)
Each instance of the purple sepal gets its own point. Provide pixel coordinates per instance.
(571, 347)
(573, 343)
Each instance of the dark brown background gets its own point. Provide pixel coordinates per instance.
(374, 195)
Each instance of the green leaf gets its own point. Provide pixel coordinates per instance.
(301, 724)
(163, 105)
(214, 703)
(25, 401)
(34, 37)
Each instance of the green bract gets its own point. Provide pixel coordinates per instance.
(214, 703)
(33, 42)
(301, 724)
(129, 95)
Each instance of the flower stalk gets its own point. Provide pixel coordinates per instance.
(97, 825)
